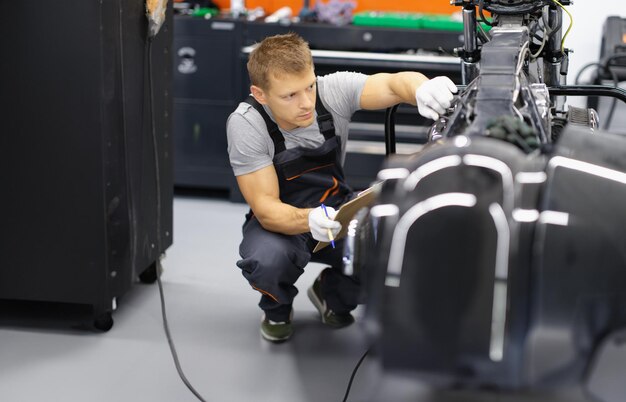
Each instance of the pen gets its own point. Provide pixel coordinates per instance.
(330, 232)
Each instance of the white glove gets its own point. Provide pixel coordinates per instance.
(434, 97)
(319, 223)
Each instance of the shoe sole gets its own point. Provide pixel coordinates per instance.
(273, 339)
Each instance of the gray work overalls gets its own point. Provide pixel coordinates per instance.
(272, 262)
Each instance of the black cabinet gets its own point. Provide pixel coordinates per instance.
(207, 88)
(86, 151)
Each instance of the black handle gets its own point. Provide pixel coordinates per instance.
(390, 130)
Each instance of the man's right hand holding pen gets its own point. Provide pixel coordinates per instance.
(322, 224)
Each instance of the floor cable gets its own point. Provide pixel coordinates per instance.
(170, 341)
(345, 397)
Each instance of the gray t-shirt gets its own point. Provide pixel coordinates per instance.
(250, 147)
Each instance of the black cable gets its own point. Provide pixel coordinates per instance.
(583, 68)
(533, 33)
(482, 34)
(345, 397)
(614, 57)
(609, 116)
(558, 24)
(482, 15)
(170, 341)
(607, 67)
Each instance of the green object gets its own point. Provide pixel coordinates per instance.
(388, 19)
(441, 22)
(329, 317)
(203, 11)
(445, 22)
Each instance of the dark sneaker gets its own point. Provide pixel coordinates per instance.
(276, 331)
(329, 317)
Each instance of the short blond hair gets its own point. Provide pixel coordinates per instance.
(278, 54)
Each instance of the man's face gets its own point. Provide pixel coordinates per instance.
(291, 98)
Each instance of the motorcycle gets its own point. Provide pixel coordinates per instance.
(495, 256)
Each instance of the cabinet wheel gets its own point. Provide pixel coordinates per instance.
(103, 322)
(149, 275)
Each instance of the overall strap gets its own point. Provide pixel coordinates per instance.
(272, 127)
(324, 118)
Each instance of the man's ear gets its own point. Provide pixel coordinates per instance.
(258, 94)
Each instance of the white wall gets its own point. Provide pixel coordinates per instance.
(586, 34)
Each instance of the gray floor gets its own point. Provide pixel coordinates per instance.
(215, 324)
(214, 320)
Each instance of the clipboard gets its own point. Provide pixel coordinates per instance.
(347, 211)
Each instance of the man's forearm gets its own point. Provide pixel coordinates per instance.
(284, 218)
(404, 85)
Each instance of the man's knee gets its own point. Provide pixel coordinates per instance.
(274, 263)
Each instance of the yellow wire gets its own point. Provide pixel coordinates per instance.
(571, 24)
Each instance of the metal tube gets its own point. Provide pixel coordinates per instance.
(554, 56)
(589, 90)
(469, 29)
(469, 71)
(470, 47)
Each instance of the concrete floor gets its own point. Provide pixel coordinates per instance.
(214, 321)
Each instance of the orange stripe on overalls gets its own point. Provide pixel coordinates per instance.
(268, 294)
(310, 170)
(334, 188)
